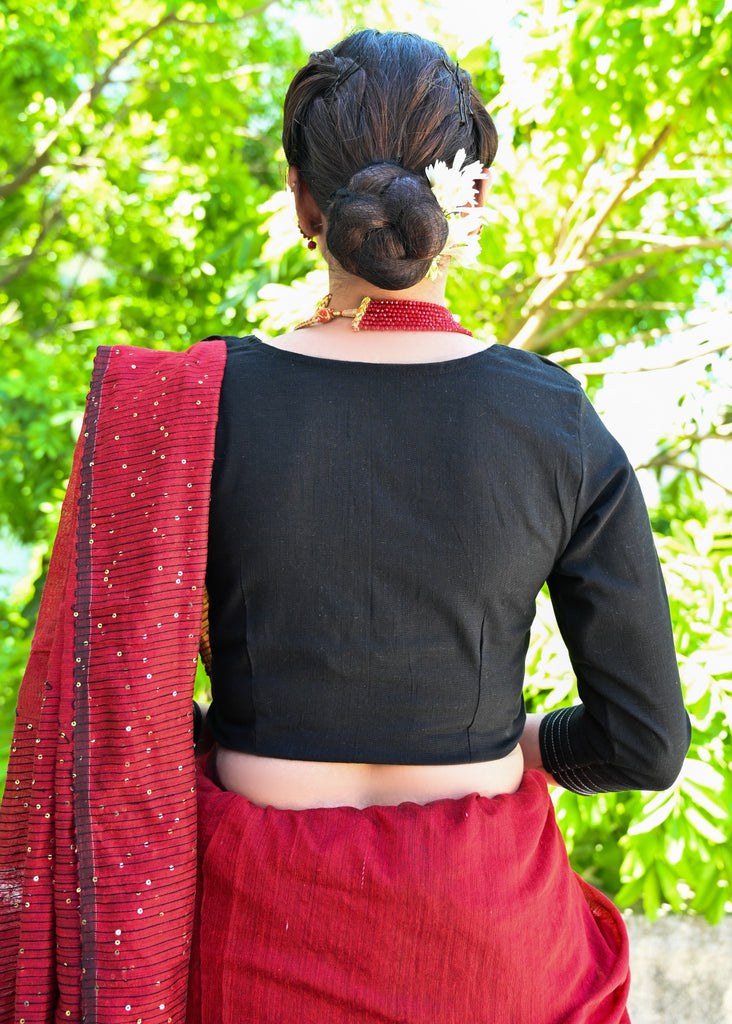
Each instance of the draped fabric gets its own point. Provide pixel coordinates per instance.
(97, 829)
(458, 912)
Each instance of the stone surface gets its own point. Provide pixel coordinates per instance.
(681, 971)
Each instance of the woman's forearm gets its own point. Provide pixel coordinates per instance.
(530, 748)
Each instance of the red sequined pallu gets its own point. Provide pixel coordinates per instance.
(97, 831)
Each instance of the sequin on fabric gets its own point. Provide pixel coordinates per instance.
(97, 832)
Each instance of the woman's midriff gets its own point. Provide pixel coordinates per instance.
(298, 785)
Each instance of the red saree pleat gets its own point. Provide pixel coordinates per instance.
(97, 829)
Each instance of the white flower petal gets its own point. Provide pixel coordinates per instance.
(455, 191)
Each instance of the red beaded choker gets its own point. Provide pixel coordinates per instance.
(389, 315)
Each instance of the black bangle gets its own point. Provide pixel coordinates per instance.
(197, 722)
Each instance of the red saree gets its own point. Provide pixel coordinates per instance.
(458, 912)
(97, 831)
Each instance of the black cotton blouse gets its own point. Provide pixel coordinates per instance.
(378, 536)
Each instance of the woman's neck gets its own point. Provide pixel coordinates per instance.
(337, 340)
(347, 292)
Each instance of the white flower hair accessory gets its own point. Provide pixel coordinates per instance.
(454, 189)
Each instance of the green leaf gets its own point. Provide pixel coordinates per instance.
(651, 895)
(655, 818)
(704, 826)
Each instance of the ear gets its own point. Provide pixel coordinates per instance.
(483, 186)
(309, 216)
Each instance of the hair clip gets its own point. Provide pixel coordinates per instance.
(344, 73)
(464, 87)
(465, 106)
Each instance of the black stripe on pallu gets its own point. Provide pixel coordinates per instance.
(82, 648)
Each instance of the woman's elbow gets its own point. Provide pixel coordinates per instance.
(662, 756)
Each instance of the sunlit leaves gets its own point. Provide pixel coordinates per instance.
(602, 221)
(160, 129)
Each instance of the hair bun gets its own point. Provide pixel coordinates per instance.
(386, 226)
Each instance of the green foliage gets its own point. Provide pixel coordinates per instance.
(140, 141)
(612, 207)
(144, 140)
(140, 171)
(14, 650)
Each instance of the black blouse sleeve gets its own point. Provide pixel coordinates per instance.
(631, 730)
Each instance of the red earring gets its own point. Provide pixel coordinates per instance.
(311, 243)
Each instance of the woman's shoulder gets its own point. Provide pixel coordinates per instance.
(531, 387)
(532, 368)
(134, 366)
(234, 343)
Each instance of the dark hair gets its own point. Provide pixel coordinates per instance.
(361, 123)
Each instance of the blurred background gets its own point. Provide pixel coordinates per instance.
(142, 202)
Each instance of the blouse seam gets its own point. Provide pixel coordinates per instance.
(579, 779)
(480, 689)
(555, 736)
(248, 654)
(581, 461)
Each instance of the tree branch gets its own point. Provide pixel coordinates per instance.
(25, 261)
(252, 12)
(660, 241)
(658, 463)
(603, 370)
(578, 202)
(616, 197)
(581, 312)
(86, 99)
(671, 245)
(53, 327)
(537, 308)
(712, 435)
(604, 301)
(572, 355)
(591, 305)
